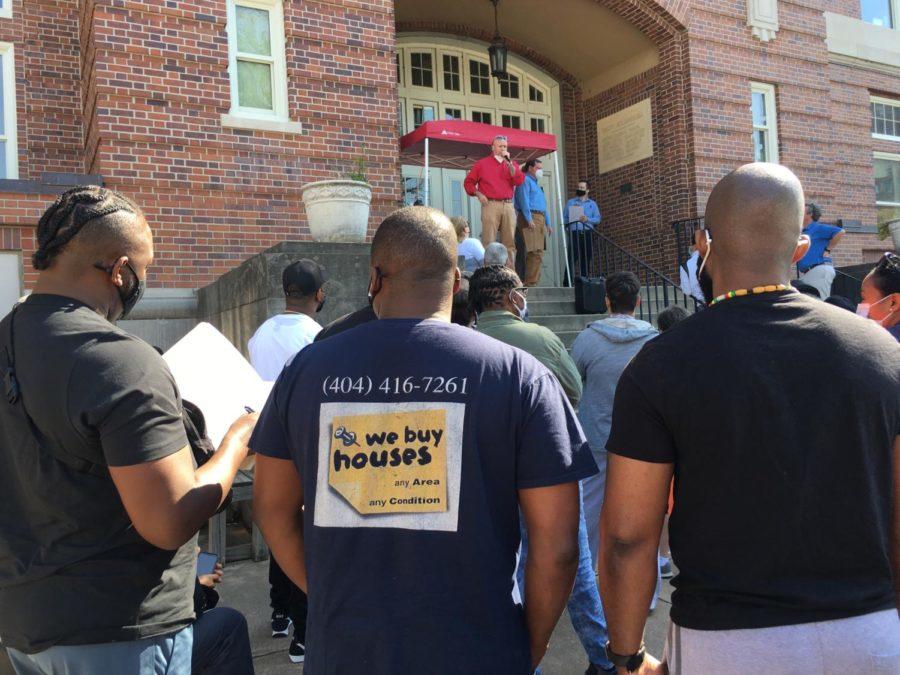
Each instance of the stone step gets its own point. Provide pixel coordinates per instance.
(550, 307)
(563, 323)
(551, 293)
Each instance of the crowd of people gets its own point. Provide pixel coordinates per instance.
(434, 500)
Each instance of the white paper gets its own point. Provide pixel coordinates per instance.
(575, 213)
(216, 377)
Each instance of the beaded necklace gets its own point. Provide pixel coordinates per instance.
(756, 290)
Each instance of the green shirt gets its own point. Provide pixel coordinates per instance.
(538, 341)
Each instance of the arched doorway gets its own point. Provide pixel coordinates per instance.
(447, 77)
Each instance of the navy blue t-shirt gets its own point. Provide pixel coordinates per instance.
(411, 439)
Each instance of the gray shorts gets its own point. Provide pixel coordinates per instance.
(164, 655)
(861, 645)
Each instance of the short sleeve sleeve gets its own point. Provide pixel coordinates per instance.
(638, 430)
(123, 394)
(552, 448)
(269, 437)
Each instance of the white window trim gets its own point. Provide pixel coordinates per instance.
(434, 70)
(891, 157)
(894, 103)
(254, 118)
(768, 91)
(6, 9)
(895, 16)
(9, 113)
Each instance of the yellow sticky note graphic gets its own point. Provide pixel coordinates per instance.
(391, 462)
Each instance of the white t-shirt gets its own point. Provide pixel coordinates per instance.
(277, 340)
(689, 282)
(473, 251)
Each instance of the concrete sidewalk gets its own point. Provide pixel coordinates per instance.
(246, 588)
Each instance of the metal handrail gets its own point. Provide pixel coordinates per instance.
(658, 291)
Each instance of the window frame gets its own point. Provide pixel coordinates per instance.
(768, 91)
(408, 75)
(278, 62)
(482, 111)
(518, 115)
(6, 9)
(10, 116)
(540, 118)
(510, 80)
(490, 82)
(459, 73)
(888, 157)
(893, 9)
(894, 103)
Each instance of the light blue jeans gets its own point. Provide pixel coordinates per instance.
(164, 655)
(585, 608)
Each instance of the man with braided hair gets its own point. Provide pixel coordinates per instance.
(102, 502)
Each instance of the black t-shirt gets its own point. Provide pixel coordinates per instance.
(73, 570)
(780, 413)
(411, 539)
(346, 322)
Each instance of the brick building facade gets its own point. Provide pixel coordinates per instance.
(141, 93)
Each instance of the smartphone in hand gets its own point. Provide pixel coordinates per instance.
(206, 563)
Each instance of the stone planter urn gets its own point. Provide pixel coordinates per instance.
(894, 229)
(337, 210)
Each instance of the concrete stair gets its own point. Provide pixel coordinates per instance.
(554, 308)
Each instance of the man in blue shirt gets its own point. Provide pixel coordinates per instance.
(531, 214)
(582, 216)
(816, 268)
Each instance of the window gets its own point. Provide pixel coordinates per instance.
(422, 113)
(256, 64)
(538, 124)
(421, 69)
(765, 131)
(511, 121)
(535, 95)
(479, 77)
(887, 186)
(399, 70)
(877, 12)
(453, 113)
(9, 152)
(6, 9)
(451, 73)
(10, 279)
(886, 118)
(483, 117)
(509, 86)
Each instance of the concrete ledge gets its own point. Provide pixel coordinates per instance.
(857, 39)
(258, 124)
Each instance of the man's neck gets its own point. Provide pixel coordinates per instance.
(295, 308)
(46, 285)
(736, 281)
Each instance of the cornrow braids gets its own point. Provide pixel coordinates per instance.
(65, 218)
(489, 285)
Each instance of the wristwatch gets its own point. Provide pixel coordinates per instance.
(630, 662)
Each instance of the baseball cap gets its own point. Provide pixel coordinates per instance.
(302, 277)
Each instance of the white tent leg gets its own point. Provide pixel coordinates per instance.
(426, 172)
(562, 212)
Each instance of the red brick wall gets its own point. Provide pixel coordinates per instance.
(823, 108)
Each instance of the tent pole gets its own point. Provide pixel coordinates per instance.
(426, 173)
(562, 213)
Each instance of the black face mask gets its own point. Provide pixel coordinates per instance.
(130, 297)
(706, 283)
(581, 193)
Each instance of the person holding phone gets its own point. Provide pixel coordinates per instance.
(221, 637)
(492, 181)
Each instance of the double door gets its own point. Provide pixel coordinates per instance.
(445, 192)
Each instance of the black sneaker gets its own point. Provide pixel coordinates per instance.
(281, 624)
(296, 652)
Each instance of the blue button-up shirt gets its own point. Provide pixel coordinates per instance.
(819, 236)
(530, 197)
(591, 212)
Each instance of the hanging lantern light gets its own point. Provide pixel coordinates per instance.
(498, 51)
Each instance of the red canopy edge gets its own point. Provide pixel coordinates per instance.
(457, 144)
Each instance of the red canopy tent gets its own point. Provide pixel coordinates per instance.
(458, 144)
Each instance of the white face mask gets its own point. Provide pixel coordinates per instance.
(539, 173)
(523, 310)
(863, 309)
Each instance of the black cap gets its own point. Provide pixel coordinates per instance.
(303, 277)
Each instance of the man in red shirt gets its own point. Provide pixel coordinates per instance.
(492, 181)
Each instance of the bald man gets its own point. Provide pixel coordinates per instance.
(785, 449)
(411, 477)
(101, 499)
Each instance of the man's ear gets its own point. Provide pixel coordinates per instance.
(638, 303)
(702, 243)
(457, 280)
(117, 271)
(802, 248)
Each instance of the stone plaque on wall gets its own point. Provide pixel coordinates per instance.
(625, 137)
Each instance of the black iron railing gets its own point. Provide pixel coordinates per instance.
(657, 290)
(684, 237)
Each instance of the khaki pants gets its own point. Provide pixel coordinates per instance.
(500, 217)
(534, 246)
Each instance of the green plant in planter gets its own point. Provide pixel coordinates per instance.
(883, 231)
(358, 171)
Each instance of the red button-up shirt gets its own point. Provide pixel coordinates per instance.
(491, 178)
